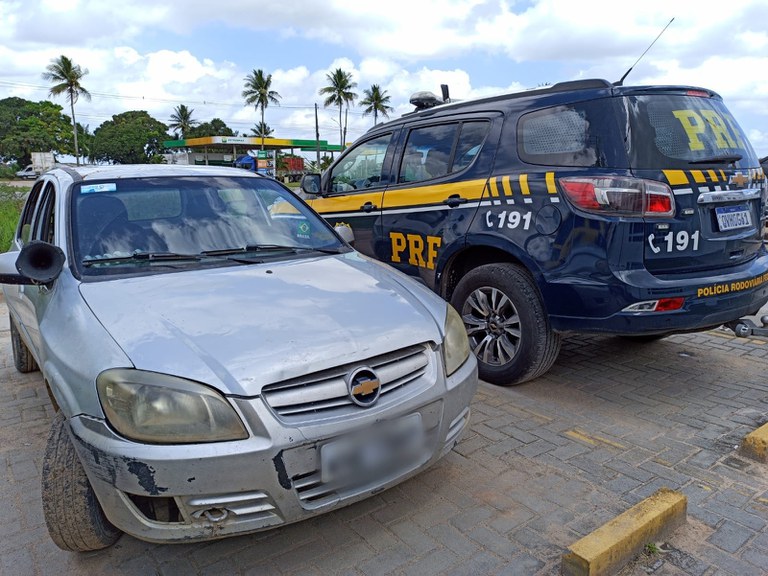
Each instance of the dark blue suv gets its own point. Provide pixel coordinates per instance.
(581, 207)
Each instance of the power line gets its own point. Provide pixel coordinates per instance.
(163, 100)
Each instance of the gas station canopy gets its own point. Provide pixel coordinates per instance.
(254, 142)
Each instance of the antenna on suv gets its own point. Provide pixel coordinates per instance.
(621, 82)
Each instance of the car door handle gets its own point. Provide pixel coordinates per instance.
(368, 207)
(455, 200)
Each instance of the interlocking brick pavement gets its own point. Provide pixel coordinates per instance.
(542, 465)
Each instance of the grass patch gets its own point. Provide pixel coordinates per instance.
(11, 203)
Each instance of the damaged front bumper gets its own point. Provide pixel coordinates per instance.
(185, 493)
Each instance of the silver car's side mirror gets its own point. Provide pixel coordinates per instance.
(37, 263)
(346, 233)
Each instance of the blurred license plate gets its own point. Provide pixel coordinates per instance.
(377, 450)
(733, 217)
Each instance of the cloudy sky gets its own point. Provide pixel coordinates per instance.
(153, 56)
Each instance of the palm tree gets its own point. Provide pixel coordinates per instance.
(377, 101)
(263, 130)
(339, 93)
(181, 120)
(66, 76)
(259, 93)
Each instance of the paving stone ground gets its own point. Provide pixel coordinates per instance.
(542, 465)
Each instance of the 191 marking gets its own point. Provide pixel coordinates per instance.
(510, 220)
(672, 242)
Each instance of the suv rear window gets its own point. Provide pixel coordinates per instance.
(682, 131)
(578, 135)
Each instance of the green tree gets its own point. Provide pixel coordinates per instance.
(325, 162)
(215, 127)
(376, 101)
(263, 130)
(258, 91)
(27, 127)
(339, 92)
(129, 138)
(181, 120)
(66, 76)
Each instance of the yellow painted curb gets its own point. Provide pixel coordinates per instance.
(616, 542)
(755, 444)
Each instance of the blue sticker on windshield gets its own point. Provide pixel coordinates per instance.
(105, 187)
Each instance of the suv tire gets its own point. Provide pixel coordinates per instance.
(507, 326)
(72, 513)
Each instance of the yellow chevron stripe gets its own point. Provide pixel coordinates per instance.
(698, 177)
(676, 177)
(493, 189)
(712, 175)
(524, 185)
(722, 176)
(550, 179)
(507, 184)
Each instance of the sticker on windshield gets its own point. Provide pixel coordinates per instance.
(303, 230)
(104, 187)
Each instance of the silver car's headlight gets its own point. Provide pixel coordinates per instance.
(456, 343)
(161, 409)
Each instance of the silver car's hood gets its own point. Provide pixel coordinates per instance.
(239, 328)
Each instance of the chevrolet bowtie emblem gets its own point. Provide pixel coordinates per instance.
(738, 180)
(363, 386)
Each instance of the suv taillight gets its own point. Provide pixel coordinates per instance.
(617, 195)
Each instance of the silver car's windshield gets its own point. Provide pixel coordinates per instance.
(182, 221)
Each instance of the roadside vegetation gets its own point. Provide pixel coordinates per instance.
(11, 202)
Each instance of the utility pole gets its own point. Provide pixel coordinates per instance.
(317, 138)
(344, 139)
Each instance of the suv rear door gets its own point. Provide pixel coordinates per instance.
(689, 139)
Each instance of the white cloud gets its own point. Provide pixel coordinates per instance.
(477, 47)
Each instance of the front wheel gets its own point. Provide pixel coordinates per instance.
(22, 357)
(506, 323)
(72, 513)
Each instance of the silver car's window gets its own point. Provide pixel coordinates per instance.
(187, 216)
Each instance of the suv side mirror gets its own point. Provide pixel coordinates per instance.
(37, 263)
(310, 184)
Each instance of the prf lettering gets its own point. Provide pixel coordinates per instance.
(421, 252)
(697, 123)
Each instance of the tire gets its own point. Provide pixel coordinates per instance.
(22, 357)
(506, 323)
(74, 517)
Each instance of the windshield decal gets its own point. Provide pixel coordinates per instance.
(104, 187)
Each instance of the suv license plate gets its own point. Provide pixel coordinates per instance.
(378, 450)
(733, 217)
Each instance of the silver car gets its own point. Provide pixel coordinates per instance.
(220, 359)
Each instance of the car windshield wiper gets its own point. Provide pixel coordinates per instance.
(722, 159)
(141, 257)
(266, 248)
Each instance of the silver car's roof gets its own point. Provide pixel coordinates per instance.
(116, 172)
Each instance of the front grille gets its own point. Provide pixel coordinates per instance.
(324, 394)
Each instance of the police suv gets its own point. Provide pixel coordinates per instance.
(581, 207)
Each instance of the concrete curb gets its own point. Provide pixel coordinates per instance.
(755, 444)
(616, 542)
